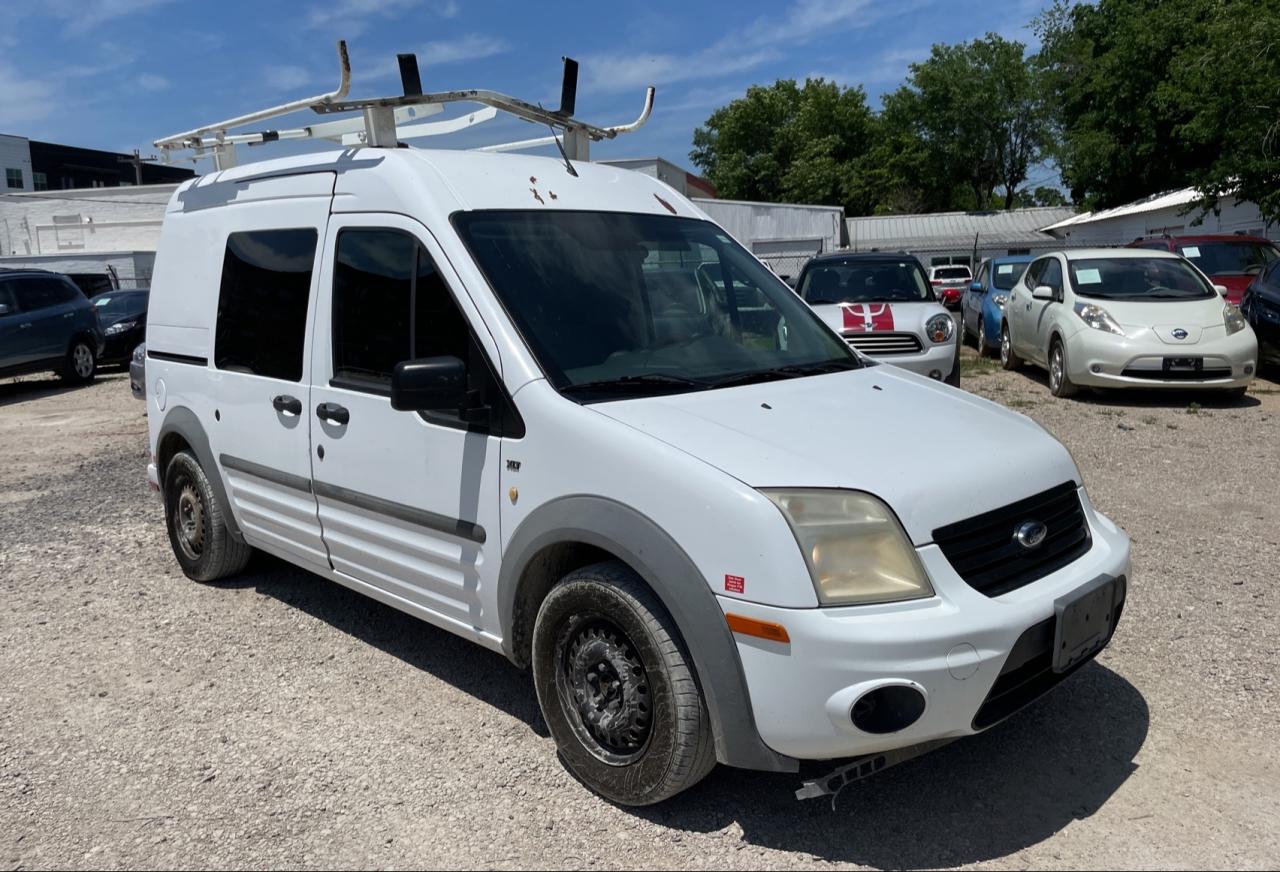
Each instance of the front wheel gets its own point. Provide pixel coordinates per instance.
(1060, 384)
(81, 362)
(1008, 357)
(983, 350)
(616, 688)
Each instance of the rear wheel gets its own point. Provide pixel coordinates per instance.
(198, 530)
(1008, 357)
(981, 341)
(616, 688)
(1060, 384)
(81, 362)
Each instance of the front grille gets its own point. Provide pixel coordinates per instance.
(884, 343)
(1028, 673)
(982, 549)
(1179, 374)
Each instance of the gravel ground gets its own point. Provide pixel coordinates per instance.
(280, 720)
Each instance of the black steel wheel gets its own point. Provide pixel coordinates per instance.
(198, 532)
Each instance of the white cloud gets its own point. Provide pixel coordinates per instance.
(22, 99)
(285, 77)
(623, 72)
(470, 47)
(82, 16)
(152, 82)
(352, 16)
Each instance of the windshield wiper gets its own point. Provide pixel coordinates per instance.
(635, 383)
(794, 370)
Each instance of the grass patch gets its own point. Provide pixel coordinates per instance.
(1150, 420)
(1172, 426)
(1194, 409)
(971, 366)
(1021, 403)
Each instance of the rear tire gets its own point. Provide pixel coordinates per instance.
(617, 689)
(198, 529)
(981, 340)
(81, 362)
(1060, 384)
(1008, 357)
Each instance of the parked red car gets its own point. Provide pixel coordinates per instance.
(1227, 259)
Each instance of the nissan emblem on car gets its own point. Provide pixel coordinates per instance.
(1179, 333)
(1030, 534)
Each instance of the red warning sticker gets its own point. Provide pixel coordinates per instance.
(867, 317)
(735, 583)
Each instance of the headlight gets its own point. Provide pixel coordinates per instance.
(1000, 299)
(939, 328)
(1234, 320)
(140, 354)
(856, 550)
(120, 327)
(1098, 318)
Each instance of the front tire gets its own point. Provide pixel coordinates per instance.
(981, 342)
(1008, 357)
(1060, 384)
(198, 529)
(81, 362)
(617, 689)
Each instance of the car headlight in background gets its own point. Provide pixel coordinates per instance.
(939, 328)
(856, 550)
(120, 327)
(1000, 299)
(1234, 320)
(140, 353)
(1098, 318)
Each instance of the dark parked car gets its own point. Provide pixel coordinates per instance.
(1261, 308)
(123, 316)
(1227, 259)
(46, 323)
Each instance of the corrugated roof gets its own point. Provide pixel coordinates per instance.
(955, 229)
(1147, 204)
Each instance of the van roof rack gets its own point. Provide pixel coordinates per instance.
(385, 121)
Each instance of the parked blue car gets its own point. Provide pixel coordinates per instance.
(47, 323)
(982, 305)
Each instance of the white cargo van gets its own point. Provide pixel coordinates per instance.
(553, 408)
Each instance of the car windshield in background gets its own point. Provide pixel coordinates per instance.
(899, 281)
(114, 306)
(1229, 258)
(952, 272)
(615, 304)
(1006, 275)
(1138, 278)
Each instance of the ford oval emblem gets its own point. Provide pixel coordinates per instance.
(1029, 534)
(1179, 333)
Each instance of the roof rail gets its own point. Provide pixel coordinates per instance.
(384, 121)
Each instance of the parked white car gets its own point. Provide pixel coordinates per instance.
(883, 306)
(949, 282)
(553, 413)
(1107, 317)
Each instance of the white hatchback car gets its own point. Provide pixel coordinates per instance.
(1118, 317)
(883, 306)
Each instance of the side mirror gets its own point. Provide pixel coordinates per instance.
(977, 288)
(1042, 292)
(1221, 289)
(430, 384)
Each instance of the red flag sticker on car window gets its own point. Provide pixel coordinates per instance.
(735, 583)
(867, 317)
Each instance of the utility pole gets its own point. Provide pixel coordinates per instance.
(136, 160)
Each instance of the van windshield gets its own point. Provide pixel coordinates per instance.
(616, 304)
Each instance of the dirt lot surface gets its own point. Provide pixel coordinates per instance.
(281, 720)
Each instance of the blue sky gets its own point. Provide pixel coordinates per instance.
(117, 74)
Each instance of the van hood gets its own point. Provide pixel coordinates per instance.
(875, 429)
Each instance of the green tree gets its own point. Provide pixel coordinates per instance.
(1149, 95)
(786, 142)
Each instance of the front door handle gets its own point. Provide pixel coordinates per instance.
(333, 413)
(291, 405)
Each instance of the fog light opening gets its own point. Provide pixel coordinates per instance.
(1097, 367)
(935, 374)
(887, 709)
(1248, 369)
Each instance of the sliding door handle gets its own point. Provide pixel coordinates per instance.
(290, 405)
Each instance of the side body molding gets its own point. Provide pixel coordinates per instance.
(668, 570)
(183, 422)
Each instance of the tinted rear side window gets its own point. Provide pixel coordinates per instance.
(43, 293)
(262, 306)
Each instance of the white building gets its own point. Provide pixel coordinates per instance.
(87, 230)
(15, 164)
(783, 235)
(1161, 214)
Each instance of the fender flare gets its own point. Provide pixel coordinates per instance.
(644, 546)
(183, 422)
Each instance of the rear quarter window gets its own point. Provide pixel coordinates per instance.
(262, 302)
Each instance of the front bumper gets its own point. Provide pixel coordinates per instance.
(118, 347)
(1099, 359)
(951, 647)
(933, 359)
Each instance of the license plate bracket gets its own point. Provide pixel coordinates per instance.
(1084, 622)
(1183, 364)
